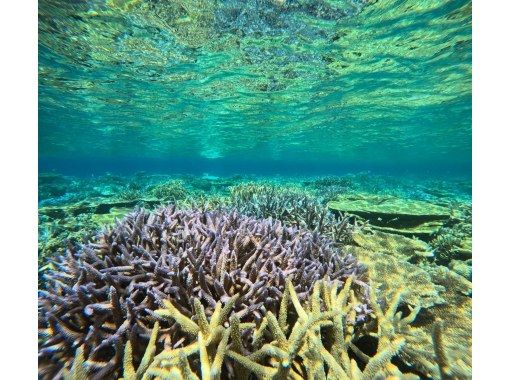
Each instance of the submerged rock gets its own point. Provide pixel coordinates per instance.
(395, 215)
(96, 207)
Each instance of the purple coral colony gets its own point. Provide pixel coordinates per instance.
(106, 292)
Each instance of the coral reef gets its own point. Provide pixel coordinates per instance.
(59, 229)
(292, 206)
(389, 266)
(170, 191)
(52, 185)
(109, 289)
(464, 268)
(412, 250)
(328, 188)
(311, 339)
(434, 301)
(314, 343)
(440, 293)
(77, 222)
(131, 192)
(453, 241)
(210, 184)
(456, 316)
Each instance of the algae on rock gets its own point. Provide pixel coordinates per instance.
(395, 215)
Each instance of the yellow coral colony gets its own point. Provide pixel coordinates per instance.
(305, 341)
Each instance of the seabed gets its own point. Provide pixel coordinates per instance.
(413, 238)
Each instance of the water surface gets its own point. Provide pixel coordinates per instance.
(262, 86)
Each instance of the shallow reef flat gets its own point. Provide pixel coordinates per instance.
(395, 215)
(345, 282)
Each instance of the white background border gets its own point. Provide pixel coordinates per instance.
(18, 185)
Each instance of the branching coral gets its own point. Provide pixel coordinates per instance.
(314, 339)
(130, 193)
(172, 190)
(109, 289)
(389, 267)
(441, 294)
(291, 206)
(453, 241)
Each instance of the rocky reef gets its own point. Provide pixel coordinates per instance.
(393, 214)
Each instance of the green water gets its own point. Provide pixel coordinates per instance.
(255, 86)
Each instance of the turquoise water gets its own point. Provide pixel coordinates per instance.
(256, 155)
(227, 87)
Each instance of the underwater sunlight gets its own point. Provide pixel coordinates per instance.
(258, 189)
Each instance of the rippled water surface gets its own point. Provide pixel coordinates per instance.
(281, 130)
(209, 84)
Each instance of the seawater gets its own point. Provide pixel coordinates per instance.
(357, 108)
(255, 86)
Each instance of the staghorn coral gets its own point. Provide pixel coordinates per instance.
(453, 241)
(129, 193)
(447, 368)
(311, 339)
(389, 267)
(439, 292)
(80, 367)
(109, 289)
(283, 347)
(464, 268)
(457, 319)
(293, 207)
(172, 191)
